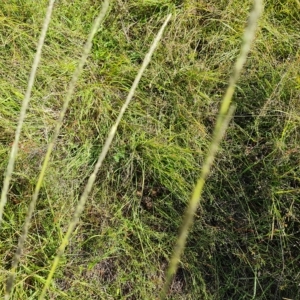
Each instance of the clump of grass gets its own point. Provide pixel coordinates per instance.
(245, 230)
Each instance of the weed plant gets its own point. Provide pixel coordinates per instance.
(244, 241)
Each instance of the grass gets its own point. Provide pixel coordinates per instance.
(246, 231)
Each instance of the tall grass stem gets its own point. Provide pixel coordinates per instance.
(70, 92)
(25, 103)
(101, 158)
(223, 118)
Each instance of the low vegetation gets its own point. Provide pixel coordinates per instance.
(244, 243)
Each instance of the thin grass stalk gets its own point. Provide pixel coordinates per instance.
(193, 203)
(100, 160)
(25, 103)
(70, 92)
(223, 118)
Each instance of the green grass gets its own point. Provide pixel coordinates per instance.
(247, 227)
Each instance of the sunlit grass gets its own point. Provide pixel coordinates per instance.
(243, 242)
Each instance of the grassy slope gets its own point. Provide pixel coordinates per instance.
(248, 224)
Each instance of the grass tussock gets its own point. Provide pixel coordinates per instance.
(244, 242)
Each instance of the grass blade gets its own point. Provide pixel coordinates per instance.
(223, 119)
(101, 158)
(70, 92)
(25, 103)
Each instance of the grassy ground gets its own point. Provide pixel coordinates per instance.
(245, 240)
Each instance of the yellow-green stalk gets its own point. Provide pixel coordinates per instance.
(101, 158)
(25, 103)
(219, 130)
(70, 92)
